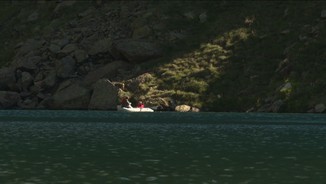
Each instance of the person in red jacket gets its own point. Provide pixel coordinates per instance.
(140, 104)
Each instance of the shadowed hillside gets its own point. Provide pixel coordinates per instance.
(215, 56)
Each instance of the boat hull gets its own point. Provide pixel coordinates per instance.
(135, 109)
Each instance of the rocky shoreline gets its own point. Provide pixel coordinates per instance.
(88, 55)
(80, 66)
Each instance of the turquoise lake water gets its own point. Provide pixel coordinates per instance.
(39, 147)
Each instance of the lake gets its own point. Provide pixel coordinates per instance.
(39, 147)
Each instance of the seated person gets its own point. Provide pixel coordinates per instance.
(140, 104)
(125, 102)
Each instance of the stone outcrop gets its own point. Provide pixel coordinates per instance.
(89, 49)
(7, 78)
(105, 96)
(71, 97)
(107, 71)
(320, 108)
(8, 99)
(186, 108)
(65, 68)
(100, 46)
(26, 80)
(29, 46)
(135, 50)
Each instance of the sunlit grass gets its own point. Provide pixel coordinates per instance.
(193, 72)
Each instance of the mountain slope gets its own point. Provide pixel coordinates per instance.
(217, 56)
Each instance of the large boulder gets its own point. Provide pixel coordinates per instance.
(323, 14)
(71, 97)
(60, 42)
(8, 99)
(65, 67)
(135, 50)
(33, 17)
(100, 46)
(50, 80)
(80, 55)
(28, 103)
(105, 95)
(63, 5)
(29, 46)
(271, 106)
(107, 71)
(68, 49)
(7, 78)
(186, 108)
(26, 80)
(27, 63)
(320, 108)
(183, 108)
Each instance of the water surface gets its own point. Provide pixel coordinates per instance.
(113, 147)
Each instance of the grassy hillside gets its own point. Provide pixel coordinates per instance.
(245, 52)
(227, 56)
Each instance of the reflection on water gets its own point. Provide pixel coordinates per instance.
(125, 152)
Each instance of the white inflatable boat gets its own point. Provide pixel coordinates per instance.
(134, 109)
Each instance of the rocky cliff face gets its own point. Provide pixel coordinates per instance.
(65, 68)
(76, 66)
(87, 55)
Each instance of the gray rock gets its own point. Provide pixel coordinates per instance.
(29, 63)
(194, 109)
(37, 87)
(101, 46)
(135, 50)
(264, 108)
(50, 80)
(29, 46)
(39, 76)
(32, 17)
(65, 67)
(62, 5)
(189, 15)
(7, 78)
(203, 17)
(323, 14)
(320, 108)
(107, 71)
(183, 108)
(8, 99)
(275, 107)
(88, 12)
(105, 95)
(80, 55)
(60, 42)
(35, 59)
(42, 95)
(26, 80)
(286, 87)
(71, 97)
(54, 48)
(141, 32)
(271, 107)
(68, 49)
(64, 84)
(29, 103)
